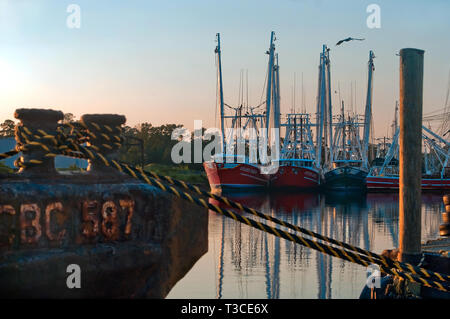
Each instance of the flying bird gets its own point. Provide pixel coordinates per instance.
(348, 39)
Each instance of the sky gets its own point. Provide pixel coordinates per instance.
(154, 61)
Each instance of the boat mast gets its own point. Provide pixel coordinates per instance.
(269, 91)
(276, 95)
(368, 111)
(301, 136)
(395, 119)
(443, 151)
(318, 126)
(392, 152)
(330, 108)
(320, 107)
(344, 153)
(220, 83)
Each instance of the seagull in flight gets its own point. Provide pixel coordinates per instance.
(348, 39)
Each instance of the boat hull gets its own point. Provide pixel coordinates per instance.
(387, 183)
(238, 176)
(289, 176)
(345, 178)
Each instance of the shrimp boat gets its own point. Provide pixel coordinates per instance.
(297, 169)
(348, 171)
(436, 172)
(230, 171)
(384, 174)
(234, 173)
(349, 154)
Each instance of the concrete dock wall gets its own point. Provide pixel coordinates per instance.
(129, 239)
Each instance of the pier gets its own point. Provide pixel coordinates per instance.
(128, 238)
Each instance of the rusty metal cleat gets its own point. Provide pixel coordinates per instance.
(33, 120)
(103, 135)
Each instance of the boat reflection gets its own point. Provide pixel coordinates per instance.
(252, 264)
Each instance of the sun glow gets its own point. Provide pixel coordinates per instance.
(12, 78)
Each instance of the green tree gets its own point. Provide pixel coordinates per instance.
(157, 143)
(68, 118)
(7, 128)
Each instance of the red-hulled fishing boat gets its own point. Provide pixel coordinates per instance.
(297, 168)
(391, 183)
(237, 172)
(436, 175)
(295, 174)
(234, 176)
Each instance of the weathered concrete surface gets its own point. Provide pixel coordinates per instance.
(129, 239)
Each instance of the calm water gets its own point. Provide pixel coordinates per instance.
(243, 262)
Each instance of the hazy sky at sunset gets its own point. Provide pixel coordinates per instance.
(154, 60)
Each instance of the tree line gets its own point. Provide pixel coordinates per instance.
(143, 144)
(147, 144)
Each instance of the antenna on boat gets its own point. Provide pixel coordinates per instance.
(303, 97)
(351, 96)
(293, 96)
(295, 88)
(240, 89)
(246, 80)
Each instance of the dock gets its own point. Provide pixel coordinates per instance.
(440, 246)
(121, 238)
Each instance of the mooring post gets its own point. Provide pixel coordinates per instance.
(411, 96)
(33, 120)
(105, 135)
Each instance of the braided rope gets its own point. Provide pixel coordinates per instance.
(374, 258)
(8, 154)
(350, 253)
(382, 260)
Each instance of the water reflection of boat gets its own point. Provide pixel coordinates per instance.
(385, 198)
(428, 199)
(253, 264)
(336, 197)
(285, 202)
(219, 287)
(251, 199)
(383, 208)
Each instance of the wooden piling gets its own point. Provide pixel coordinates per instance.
(411, 96)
